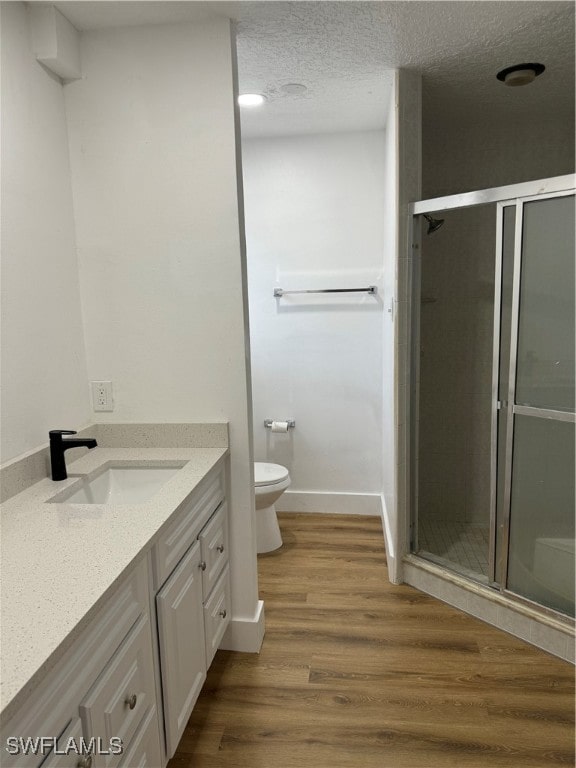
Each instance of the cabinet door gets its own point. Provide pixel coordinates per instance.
(181, 638)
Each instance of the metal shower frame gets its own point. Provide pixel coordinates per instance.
(511, 195)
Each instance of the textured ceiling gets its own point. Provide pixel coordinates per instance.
(344, 51)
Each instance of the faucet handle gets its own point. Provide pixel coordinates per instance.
(57, 432)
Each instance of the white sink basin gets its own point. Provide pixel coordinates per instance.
(119, 485)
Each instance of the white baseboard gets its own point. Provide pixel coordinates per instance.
(245, 635)
(330, 503)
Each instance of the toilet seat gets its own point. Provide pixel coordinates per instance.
(268, 474)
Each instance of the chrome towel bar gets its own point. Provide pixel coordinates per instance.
(373, 289)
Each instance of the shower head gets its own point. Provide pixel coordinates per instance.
(433, 224)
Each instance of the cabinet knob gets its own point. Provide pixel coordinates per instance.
(85, 761)
(131, 701)
(223, 613)
(202, 566)
(220, 548)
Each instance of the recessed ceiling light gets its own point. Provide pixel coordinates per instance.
(251, 99)
(520, 74)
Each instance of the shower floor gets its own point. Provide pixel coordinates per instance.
(464, 545)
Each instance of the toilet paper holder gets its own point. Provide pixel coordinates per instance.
(268, 423)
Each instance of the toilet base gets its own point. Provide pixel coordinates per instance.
(268, 537)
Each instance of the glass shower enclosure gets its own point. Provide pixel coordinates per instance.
(493, 388)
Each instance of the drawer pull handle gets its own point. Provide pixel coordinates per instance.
(202, 566)
(85, 761)
(222, 613)
(131, 701)
(220, 548)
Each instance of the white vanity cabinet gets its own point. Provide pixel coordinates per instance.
(133, 672)
(192, 605)
(103, 687)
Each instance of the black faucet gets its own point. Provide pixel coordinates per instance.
(58, 446)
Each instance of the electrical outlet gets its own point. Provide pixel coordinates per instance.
(102, 399)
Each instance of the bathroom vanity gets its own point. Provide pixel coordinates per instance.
(112, 612)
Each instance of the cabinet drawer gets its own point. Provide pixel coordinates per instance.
(71, 760)
(217, 615)
(181, 533)
(144, 751)
(214, 548)
(42, 754)
(123, 693)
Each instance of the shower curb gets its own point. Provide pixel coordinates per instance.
(550, 633)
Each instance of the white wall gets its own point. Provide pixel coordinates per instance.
(153, 150)
(403, 144)
(44, 379)
(388, 329)
(315, 219)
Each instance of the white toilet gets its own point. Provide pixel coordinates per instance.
(270, 482)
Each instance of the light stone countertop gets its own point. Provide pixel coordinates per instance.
(60, 561)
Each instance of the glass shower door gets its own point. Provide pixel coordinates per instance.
(493, 390)
(539, 485)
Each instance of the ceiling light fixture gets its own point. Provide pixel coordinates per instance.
(251, 99)
(292, 88)
(520, 74)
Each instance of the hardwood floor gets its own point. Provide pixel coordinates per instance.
(355, 671)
